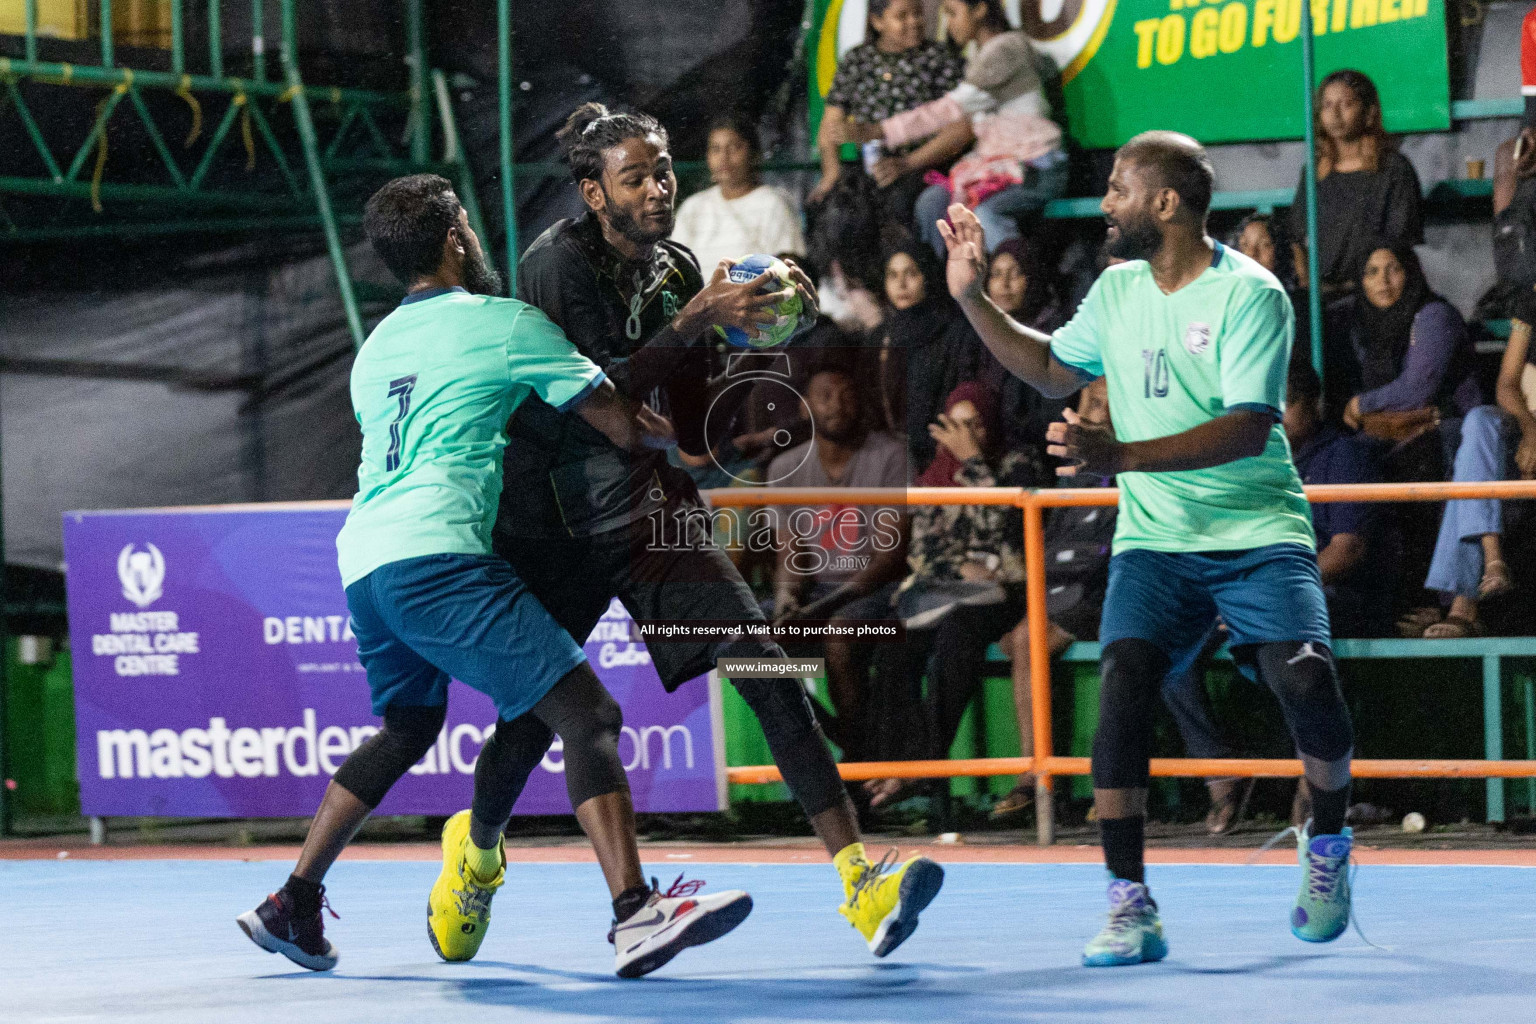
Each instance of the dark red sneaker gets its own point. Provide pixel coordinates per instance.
(274, 928)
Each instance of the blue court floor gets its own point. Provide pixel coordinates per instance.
(130, 941)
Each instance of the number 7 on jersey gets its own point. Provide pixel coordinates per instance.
(400, 389)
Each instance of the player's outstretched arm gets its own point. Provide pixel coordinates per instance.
(627, 424)
(1092, 449)
(1025, 351)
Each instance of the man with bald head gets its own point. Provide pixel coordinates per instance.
(1193, 339)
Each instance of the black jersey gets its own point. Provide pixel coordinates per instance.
(562, 477)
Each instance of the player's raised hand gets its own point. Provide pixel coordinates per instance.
(966, 269)
(1090, 449)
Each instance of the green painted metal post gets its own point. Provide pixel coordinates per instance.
(306, 126)
(1314, 293)
(34, 132)
(90, 140)
(259, 40)
(1493, 732)
(106, 33)
(5, 643)
(421, 109)
(31, 46)
(504, 82)
(1530, 742)
(178, 50)
(459, 157)
(215, 40)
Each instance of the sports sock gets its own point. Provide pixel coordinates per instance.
(850, 862)
(483, 864)
(1329, 807)
(304, 895)
(628, 903)
(1124, 840)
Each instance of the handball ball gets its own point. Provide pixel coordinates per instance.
(787, 313)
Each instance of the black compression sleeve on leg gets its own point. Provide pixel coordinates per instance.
(507, 759)
(794, 736)
(379, 761)
(1303, 678)
(1124, 842)
(587, 719)
(1330, 807)
(1132, 673)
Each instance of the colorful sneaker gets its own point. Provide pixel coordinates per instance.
(883, 903)
(274, 928)
(1322, 906)
(672, 921)
(1134, 933)
(459, 908)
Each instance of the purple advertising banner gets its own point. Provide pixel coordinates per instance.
(216, 675)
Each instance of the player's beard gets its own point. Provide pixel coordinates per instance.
(480, 278)
(1135, 239)
(628, 226)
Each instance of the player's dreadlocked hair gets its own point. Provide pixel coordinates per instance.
(592, 128)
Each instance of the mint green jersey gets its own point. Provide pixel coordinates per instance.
(1173, 362)
(433, 388)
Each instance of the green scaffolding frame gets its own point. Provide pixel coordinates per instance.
(303, 197)
(306, 198)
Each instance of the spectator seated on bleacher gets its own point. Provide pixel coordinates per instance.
(1367, 192)
(895, 72)
(1351, 536)
(1498, 442)
(1514, 217)
(921, 351)
(1413, 364)
(1017, 164)
(839, 561)
(738, 215)
(1023, 286)
(1263, 239)
(964, 591)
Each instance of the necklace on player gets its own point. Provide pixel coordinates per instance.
(636, 304)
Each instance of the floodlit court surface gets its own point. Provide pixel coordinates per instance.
(148, 934)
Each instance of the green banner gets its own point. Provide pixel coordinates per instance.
(1220, 70)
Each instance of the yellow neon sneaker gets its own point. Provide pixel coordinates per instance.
(884, 899)
(459, 909)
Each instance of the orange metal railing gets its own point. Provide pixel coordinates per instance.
(1045, 764)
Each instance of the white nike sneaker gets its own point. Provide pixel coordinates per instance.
(672, 921)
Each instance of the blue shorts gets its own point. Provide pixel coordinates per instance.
(421, 620)
(1265, 595)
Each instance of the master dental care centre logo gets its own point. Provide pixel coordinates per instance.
(144, 642)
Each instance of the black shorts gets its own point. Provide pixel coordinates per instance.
(658, 574)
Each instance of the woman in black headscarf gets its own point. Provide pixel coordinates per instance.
(1414, 357)
(1023, 285)
(1414, 382)
(923, 349)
